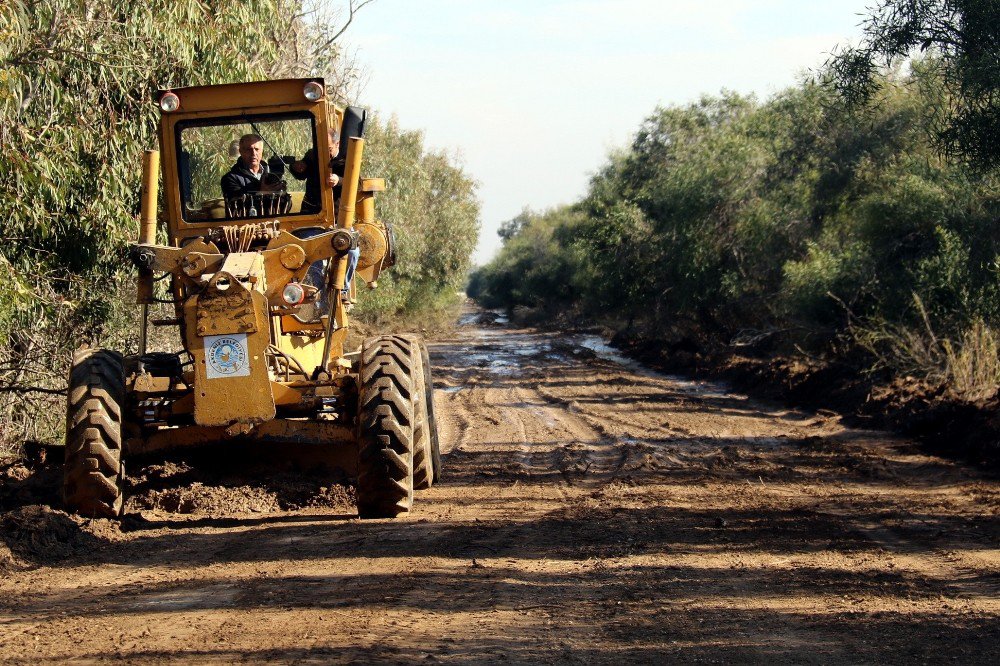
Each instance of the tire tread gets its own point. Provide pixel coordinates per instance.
(93, 471)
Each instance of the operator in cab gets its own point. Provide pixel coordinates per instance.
(249, 171)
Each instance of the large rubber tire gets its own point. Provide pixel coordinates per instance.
(423, 457)
(432, 429)
(93, 472)
(385, 418)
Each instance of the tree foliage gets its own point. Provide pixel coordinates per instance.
(964, 35)
(432, 205)
(795, 219)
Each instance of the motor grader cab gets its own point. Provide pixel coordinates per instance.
(257, 289)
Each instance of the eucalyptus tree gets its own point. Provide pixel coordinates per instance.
(963, 37)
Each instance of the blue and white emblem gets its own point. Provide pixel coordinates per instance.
(226, 356)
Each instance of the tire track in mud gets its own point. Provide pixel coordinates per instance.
(707, 432)
(548, 435)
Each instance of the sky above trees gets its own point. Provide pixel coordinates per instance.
(533, 94)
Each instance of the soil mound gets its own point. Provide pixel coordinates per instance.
(38, 534)
(26, 482)
(209, 486)
(950, 425)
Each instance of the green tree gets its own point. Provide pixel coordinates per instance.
(795, 220)
(965, 37)
(431, 203)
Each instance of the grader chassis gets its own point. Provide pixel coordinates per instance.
(258, 294)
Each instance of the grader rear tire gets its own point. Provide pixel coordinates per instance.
(423, 456)
(386, 419)
(92, 472)
(433, 440)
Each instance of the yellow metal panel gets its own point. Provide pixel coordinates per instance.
(150, 191)
(337, 341)
(244, 95)
(373, 184)
(282, 431)
(373, 244)
(285, 395)
(231, 385)
(230, 310)
(306, 350)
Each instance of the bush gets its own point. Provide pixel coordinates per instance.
(794, 214)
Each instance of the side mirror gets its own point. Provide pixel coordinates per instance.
(353, 127)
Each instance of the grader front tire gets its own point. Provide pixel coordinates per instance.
(386, 418)
(423, 459)
(92, 472)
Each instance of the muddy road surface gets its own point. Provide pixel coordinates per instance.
(591, 512)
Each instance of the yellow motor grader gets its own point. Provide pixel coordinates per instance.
(260, 286)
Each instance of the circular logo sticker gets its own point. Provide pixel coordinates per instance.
(227, 356)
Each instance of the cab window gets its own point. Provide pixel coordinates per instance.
(248, 167)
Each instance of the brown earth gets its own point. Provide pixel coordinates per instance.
(591, 512)
(947, 422)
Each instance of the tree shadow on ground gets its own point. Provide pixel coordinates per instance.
(634, 614)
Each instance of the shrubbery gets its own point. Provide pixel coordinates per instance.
(432, 206)
(797, 219)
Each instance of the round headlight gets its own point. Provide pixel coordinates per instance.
(293, 293)
(170, 102)
(313, 91)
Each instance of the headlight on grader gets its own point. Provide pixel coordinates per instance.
(170, 102)
(293, 293)
(313, 91)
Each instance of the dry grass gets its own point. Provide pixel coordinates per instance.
(34, 364)
(428, 323)
(972, 367)
(967, 363)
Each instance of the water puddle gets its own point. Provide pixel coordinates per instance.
(606, 352)
(502, 352)
(185, 599)
(484, 317)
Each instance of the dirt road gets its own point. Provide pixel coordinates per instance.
(592, 512)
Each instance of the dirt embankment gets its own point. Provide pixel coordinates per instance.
(948, 424)
(592, 511)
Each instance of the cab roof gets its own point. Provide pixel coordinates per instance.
(242, 96)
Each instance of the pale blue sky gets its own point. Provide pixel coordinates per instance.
(533, 94)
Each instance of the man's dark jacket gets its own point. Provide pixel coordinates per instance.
(311, 201)
(240, 181)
